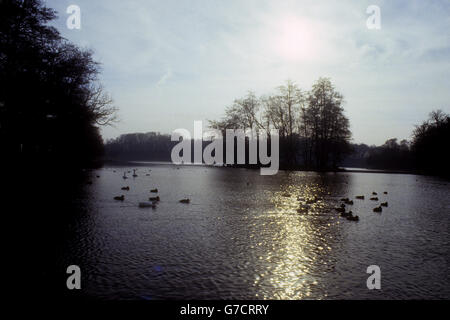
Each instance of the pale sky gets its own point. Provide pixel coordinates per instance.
(168, 63)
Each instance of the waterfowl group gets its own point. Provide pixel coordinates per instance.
(347, 201)
(349, 215)
(383, 204)
(152, 201)
(353, 218)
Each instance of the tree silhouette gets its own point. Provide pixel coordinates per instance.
(430, 144)
(51, 102)
(311, 125)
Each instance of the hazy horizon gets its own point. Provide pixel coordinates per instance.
(168, 64)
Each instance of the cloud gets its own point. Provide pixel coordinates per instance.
(220, 50)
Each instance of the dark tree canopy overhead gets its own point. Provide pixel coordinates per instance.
(51, 103)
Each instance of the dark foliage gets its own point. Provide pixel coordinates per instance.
(390, 155)
(426, 153)
(149, 146)
(50, 101)
(430, 144)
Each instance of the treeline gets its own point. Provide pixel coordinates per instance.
(150, 146)
(425, 153)
(392, 155)
(313, 130)
(51, 103)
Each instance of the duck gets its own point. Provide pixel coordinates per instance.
(154, 198)
(374, 193)
(374, 198)
(384, 204)
(345, 199)
(377, 209)
(98, 176)
(147, 204)
(353, 218)
(340, 209)
(349, 202)
(134, 173)
(127, 188)
(385, 192)
(154, 190)
(346, 214)
(185, 200)
(147, 174)
(360, 197)
(120, 198)
(125, 175)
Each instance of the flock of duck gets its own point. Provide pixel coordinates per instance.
(152, 201)
(349, 215)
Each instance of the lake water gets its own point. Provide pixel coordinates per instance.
(242, 237)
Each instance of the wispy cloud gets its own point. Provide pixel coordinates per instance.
(164, 77)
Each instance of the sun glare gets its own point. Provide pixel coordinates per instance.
(295, 39)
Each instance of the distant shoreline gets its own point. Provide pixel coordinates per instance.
(354, 170)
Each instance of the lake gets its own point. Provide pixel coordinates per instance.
(243, 237)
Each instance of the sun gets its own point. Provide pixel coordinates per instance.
(294, 39)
